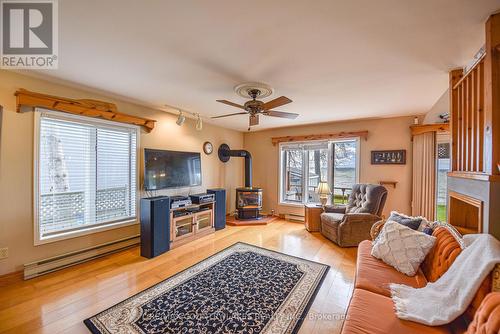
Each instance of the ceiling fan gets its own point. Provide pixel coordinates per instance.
(254, 108)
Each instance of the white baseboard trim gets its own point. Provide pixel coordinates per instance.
(49, 265)
(294, 217)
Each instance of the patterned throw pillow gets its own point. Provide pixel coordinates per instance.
(428, 230)
(402, 247)
(415, 223)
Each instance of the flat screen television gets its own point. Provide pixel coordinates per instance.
(171, 169)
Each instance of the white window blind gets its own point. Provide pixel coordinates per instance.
(86, 174)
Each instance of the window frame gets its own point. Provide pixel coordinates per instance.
(441, 138)
(282, 167)
(64, 235)
(305, 159)
(358, 159)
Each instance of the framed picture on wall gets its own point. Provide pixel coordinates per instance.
(389, 157)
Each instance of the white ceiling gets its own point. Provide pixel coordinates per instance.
(335, 59)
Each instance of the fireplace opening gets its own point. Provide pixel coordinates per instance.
(248, 203)
(465, 213)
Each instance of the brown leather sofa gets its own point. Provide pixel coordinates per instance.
(348, 225)
(371, 307)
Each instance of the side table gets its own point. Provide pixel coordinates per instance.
(312, 217)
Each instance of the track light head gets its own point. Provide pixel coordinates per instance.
(199, 123)
(181, 119)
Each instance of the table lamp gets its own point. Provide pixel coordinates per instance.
(323, 192)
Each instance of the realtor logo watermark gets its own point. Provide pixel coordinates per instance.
(29, 34)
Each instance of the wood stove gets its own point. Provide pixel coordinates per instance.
(248, 198)
(249, 202)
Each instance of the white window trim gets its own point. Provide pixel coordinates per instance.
(330, 172)
(36, 180)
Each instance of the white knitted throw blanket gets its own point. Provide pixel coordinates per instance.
(446, 299)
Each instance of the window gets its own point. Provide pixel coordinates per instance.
(345, 169)
(85, 175)
(303, 165)
(443, 167)
(293, 174)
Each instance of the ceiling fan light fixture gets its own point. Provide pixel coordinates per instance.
(199, 123)
(181, 119)
(244, 90)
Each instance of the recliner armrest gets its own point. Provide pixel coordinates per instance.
(334, 208)
(360, 217)
(355, 227)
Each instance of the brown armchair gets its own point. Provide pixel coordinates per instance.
(348, 225)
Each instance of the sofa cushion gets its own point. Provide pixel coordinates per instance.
(487, 317)
(448, 246)
(372, 313)
(374, 275)
(332, 219)
(482, 292)
(402, 247)
(441, 257)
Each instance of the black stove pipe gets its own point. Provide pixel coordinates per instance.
(225, 153)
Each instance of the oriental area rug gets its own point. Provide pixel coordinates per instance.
(241, 289)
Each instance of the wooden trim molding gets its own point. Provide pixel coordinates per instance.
(481, 176)
(323, 136)
(388, 183)
(84, 107)
(439, 127)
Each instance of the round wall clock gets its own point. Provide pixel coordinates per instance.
(208, 148)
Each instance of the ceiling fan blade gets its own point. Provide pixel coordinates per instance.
(238, 113)
(277, 102)
(229, 103)
(253, 120)
(281, 114)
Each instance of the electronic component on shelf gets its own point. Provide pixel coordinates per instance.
(202, 198)
(181, 213)
(204, 208)
(179, 202)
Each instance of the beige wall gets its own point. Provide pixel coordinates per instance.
(16, 166)
(384, 134)
(441, 106)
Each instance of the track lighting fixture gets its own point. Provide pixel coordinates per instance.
(199, 123)
(181, 119)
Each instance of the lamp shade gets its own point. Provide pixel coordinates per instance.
(323, 188)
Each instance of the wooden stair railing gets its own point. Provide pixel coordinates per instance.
(475, 111)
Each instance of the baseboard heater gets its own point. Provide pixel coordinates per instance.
(49, 265)
(293, 217)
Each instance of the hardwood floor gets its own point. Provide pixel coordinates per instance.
(58, 302)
